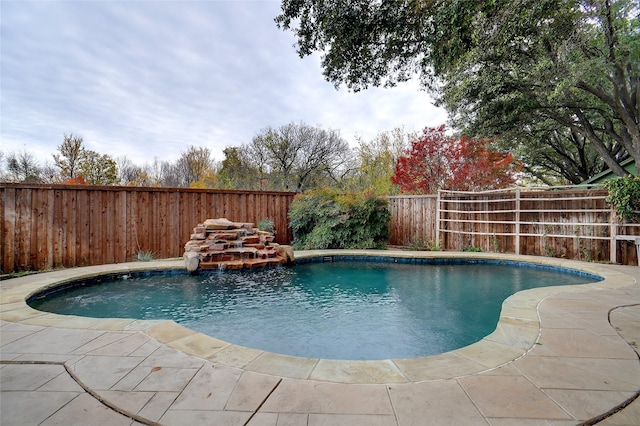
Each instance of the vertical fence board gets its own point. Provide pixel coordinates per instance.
(47, 200)
(24, 229)
(120, 226)
(154, 223)
(3, 231)
(565, 220)
(109, 230)
(82, 233)
(249, 207)
(56, 228)
(186, 218)
(206, 212)
(42, 229)
(403, 229)
(272, 208)
(45, 226)
(144, 224)
(102, 246)
(165, 215)
(84, 227)
(176, 242)
(8, 215)
(32, 254)
(38, 230)
(241, 204)
(95, 227)
(412, 219)
(131, 225)
(69, 228)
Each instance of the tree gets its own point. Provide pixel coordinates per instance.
(154, 172)
(238, 172)
(193, 165)
(576, 67)
(376, 161)
(298, 156)
(131, 174)
(74, 159)
(49, 173)
(364, 43)
(439, 161)
(496, 64)
(169, 175)
(23, 167)
(97, 169)
(565, 158)
(3, 174)
(71, 155)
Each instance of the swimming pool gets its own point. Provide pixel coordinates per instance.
(354, 308)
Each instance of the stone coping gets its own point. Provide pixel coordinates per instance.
(517, 332)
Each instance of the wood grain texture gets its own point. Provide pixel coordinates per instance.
(54, 226)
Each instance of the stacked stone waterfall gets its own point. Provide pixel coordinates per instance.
(223, 244)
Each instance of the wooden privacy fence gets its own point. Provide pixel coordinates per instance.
(413, 219)
(574, 224)
(52, 226)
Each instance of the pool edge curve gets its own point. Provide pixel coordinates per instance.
(517, 332)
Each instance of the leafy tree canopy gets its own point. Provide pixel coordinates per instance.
(372, 43)
(566, 157)
(238, 171)
(375, 162)
(73, 160)
(499, 66)
(439, 161)
(98, 169)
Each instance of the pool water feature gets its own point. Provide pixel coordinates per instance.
(346, 309)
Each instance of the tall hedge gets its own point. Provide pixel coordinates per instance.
(327, 219)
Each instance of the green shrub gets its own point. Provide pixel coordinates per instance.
(327, 219)
(624, 196)
(267, 225)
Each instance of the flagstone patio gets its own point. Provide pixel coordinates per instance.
(560, 356)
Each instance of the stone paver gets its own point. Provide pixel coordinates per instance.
(44, 394)
(443, 402)
(577, 363)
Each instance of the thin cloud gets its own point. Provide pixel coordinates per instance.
(148, 79)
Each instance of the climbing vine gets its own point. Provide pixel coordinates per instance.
(624, 196)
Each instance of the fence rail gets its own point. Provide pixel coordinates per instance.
(52, 226)
(576, 224)
(413, 219)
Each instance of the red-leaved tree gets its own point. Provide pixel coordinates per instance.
(439, 161)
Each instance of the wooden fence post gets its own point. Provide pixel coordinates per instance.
(613, 247)
(517, 241)
(438, 219)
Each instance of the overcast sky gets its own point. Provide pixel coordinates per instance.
(150, 78)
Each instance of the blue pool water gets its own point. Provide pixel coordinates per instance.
(341, 310)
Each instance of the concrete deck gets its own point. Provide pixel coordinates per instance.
(559, 356)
